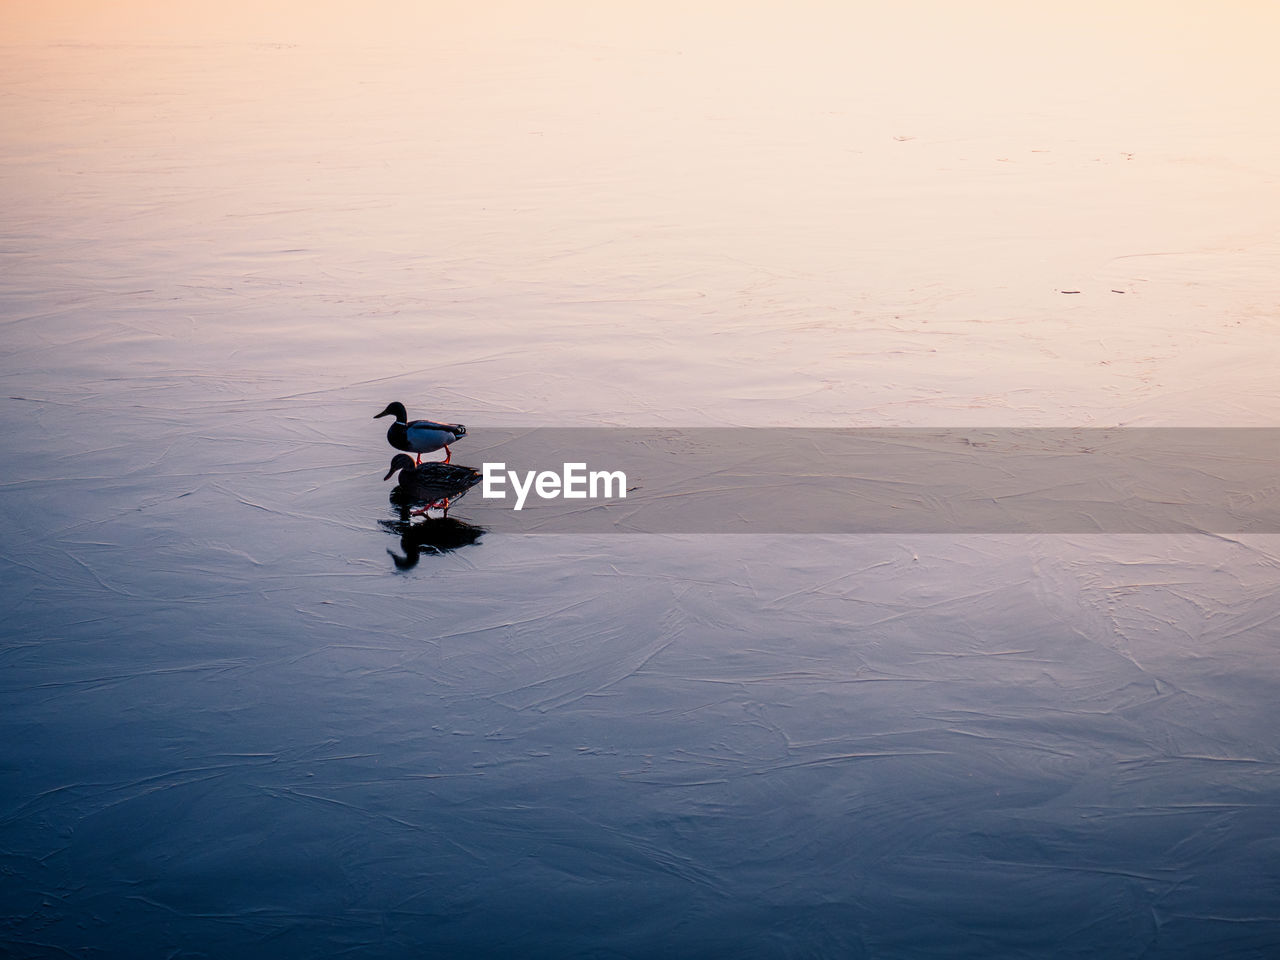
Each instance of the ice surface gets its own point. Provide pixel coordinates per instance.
(251, 709)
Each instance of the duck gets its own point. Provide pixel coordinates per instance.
(420, 436)
(435, 483)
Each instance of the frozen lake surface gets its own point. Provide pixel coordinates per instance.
(251, 709)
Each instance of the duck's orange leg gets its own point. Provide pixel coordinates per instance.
(434, 505)
(447, 455)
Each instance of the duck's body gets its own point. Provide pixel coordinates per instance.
(420, 436)
(432, 483)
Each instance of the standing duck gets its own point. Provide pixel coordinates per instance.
(420, 436)
(434, 483)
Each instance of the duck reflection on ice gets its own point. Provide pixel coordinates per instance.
(432, 536)
(420, 489)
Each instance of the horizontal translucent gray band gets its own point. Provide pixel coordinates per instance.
(780, 480)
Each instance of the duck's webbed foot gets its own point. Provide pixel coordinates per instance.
(434, 505)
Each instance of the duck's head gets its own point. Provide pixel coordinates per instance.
(394, 409)
(401, 461)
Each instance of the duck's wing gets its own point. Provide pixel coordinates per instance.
(456, 429)
(447, 474)
(438, 481)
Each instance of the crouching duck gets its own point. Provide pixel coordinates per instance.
(420, 436)
(433, 483)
